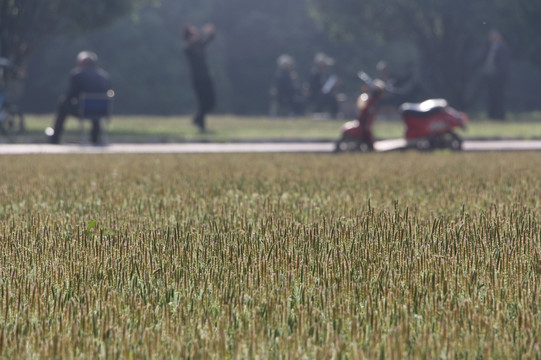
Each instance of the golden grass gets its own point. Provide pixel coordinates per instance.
(270, 256)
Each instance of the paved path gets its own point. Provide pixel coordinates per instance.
(256, 147)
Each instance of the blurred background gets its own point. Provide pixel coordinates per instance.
(138, 43)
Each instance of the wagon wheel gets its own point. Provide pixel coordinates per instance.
(425, 144)
(351, 145)
(453, 141)
(449, 140)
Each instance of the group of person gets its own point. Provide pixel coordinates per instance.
(290, 96)
(88, 77)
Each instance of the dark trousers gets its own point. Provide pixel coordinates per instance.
(206, 101)
(65, 109)
(496, 97)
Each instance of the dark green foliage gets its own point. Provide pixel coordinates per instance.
(448, 33)
(26, 24)
(144, 53)
(522, 24)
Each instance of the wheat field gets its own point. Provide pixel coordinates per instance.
(270, 256)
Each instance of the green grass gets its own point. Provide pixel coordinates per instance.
(232, 128)
(270, 256)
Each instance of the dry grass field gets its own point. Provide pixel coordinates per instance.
(386, 256)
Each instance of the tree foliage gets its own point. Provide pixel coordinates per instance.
(26, 24)
(448, 33)
(144, 53)
(522, 26)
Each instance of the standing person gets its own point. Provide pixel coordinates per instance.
(321, 86)
(86, 77)
(286, 91)
(196, 43)
(385, 73)
(391, 102)
(496, 70)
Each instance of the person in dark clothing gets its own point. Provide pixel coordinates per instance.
(286, 90)
(496, 71)
(390, 102)
(321, 87)
(86, 77)
(196, 43)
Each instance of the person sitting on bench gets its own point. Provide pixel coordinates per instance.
(86, 77)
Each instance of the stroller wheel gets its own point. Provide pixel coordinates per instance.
(449, 140)
(423, 145)
(454, 142)
(339, 146)
(364, 147)
(351, 145)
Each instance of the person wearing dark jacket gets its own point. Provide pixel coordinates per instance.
(321, 86)
(86, 77)
(496, 71)
(287, 92)
(196, 43)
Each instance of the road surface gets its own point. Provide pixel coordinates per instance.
(244, 147)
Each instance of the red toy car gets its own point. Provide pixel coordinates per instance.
(431, 124)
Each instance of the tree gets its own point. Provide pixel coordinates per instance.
(448, 33)
(26, 24)
(253, 42)
(522, 27)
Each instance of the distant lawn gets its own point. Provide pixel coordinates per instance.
(224, 128)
